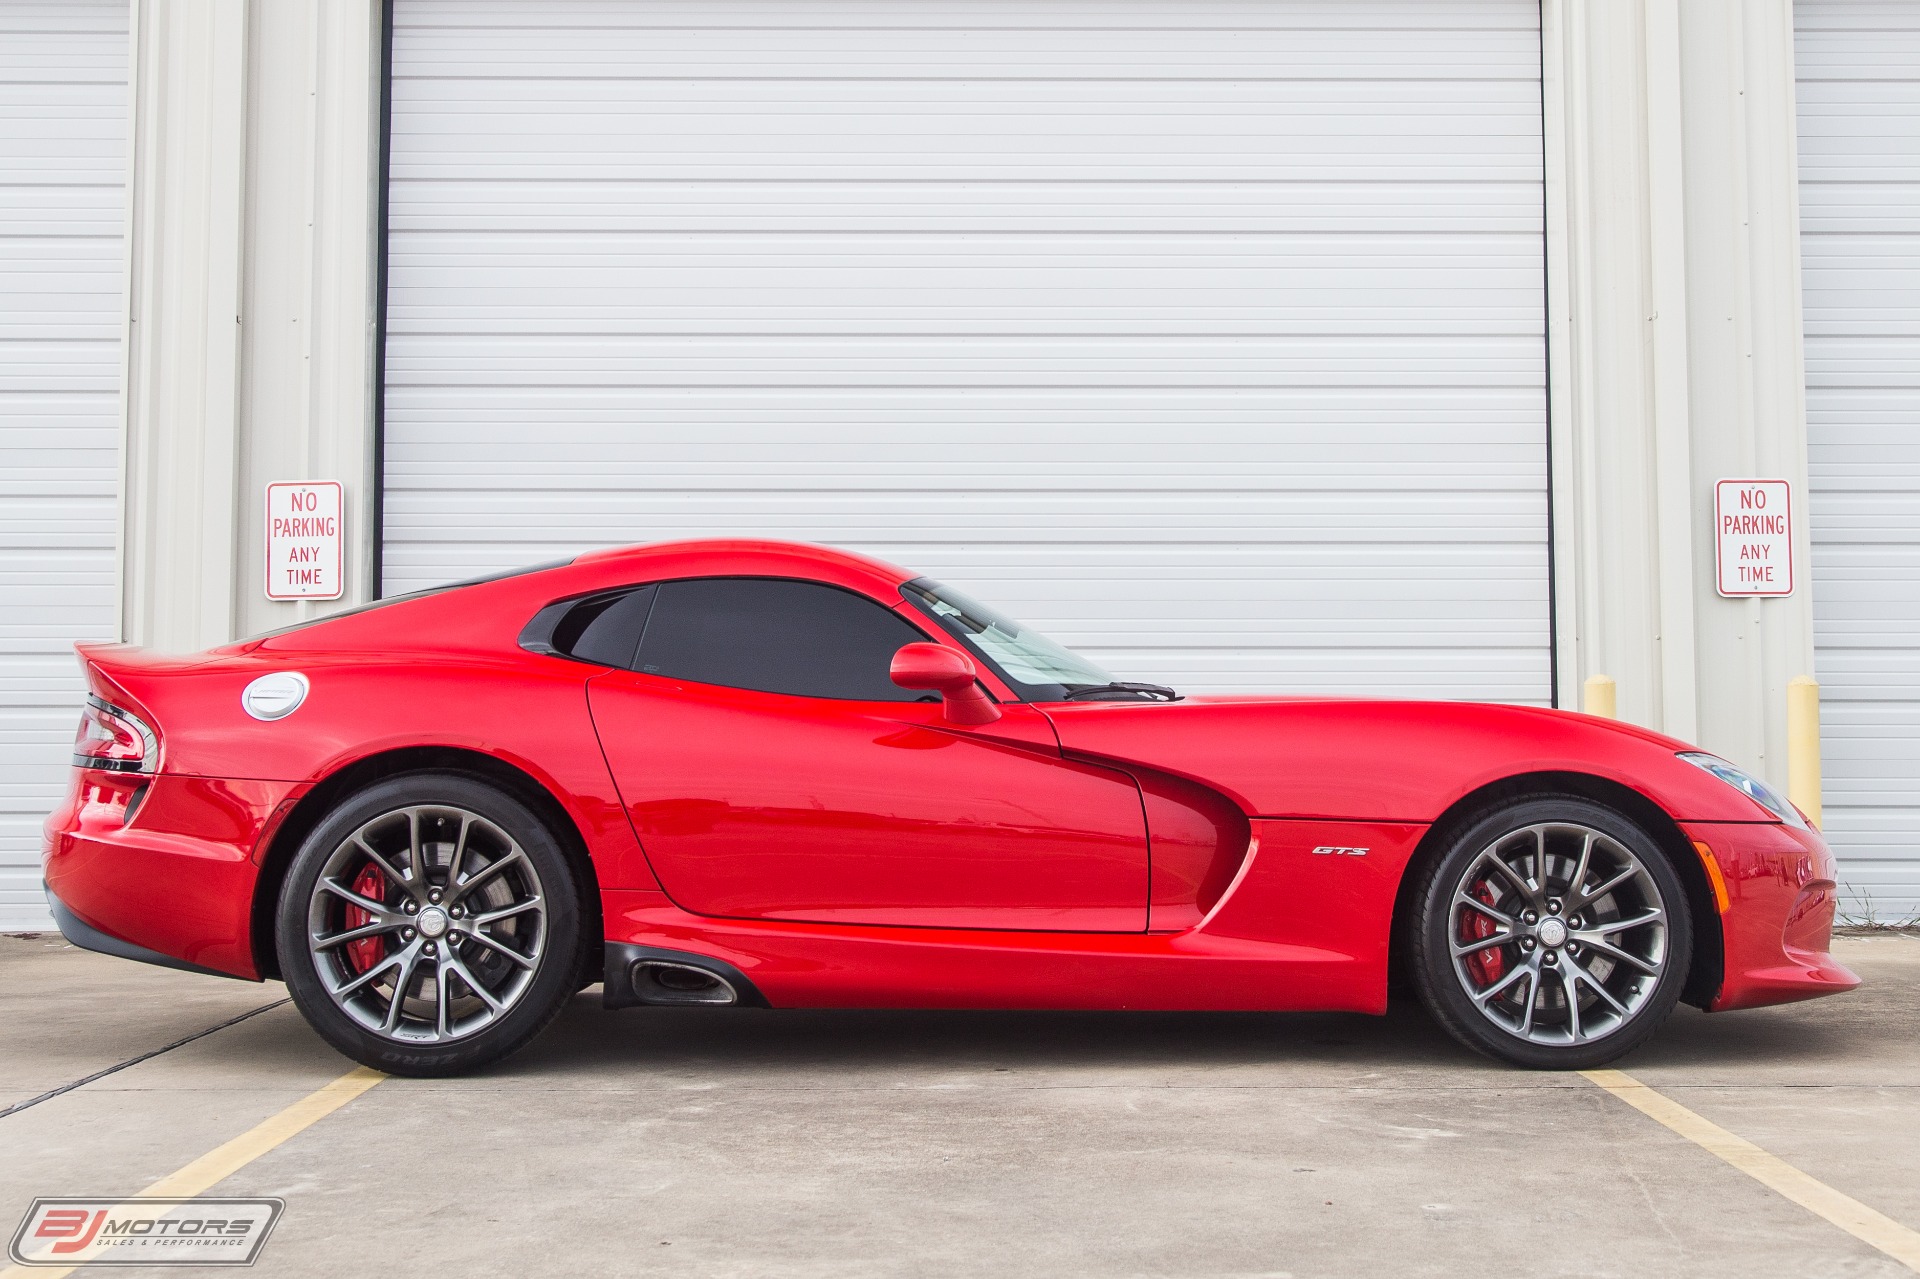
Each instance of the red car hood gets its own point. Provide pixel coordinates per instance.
(1384, 760)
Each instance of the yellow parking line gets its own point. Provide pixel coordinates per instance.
(1817, 1197)
(214, 1167)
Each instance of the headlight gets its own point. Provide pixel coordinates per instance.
(1749, 785)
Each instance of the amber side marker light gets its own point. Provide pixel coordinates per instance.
(1719, 882)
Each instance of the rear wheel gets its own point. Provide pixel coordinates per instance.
(1553, 933)
(430, 925)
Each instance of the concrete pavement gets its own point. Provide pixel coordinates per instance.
(745, 1143)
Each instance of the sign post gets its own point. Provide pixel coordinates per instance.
(1753, 537)
(303, 541)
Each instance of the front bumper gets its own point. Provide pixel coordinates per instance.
(1778, 918)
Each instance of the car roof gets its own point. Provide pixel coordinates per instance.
(488, 613)
(743, 557)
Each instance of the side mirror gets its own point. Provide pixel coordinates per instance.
(939, 669)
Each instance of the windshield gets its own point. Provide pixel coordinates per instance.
(1031, 664)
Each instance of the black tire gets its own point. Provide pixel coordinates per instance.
(1641, 968)
(508, 947)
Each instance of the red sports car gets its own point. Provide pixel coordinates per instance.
(761, 774)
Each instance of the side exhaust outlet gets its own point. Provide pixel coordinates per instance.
(657, 981)
(636, 976)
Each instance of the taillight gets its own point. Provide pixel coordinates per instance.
(114, 739)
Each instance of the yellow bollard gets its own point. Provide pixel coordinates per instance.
(1803, 745)
(1599, 696)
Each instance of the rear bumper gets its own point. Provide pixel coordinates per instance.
(1778, 920)
(161, 869)
(87, 937)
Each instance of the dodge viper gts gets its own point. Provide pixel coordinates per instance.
(760, 774)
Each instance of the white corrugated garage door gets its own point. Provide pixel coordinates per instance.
(63, 106)
(1859, 92)
(1205, 334)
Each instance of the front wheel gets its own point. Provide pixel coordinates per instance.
(430, 925)
(1553, 933)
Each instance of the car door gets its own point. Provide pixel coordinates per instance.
(772, 770)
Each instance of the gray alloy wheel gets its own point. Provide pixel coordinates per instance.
(1552, 934)
(427, 924)
(1559, 933)
(430, 924)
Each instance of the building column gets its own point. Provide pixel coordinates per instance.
(1675, 356)
(252, 257)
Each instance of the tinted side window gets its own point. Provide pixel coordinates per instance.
(776, 636)
(607, 631)
(603, 628)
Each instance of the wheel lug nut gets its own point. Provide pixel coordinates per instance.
(1531, 918)
(1554, 905)
(431, 949)
(1526, 943)
(406, 934)
(1550, 959)
(410, 907)
(434, 896)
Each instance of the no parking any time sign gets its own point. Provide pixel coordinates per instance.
(1753, 537)
(303, 541)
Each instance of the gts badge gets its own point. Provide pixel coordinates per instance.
(1328, 850)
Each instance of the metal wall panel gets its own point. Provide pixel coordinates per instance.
(1205, 334)
(63, 101)
(1859, 105)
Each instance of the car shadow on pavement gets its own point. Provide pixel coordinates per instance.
(1798, 1035)
(587, 1039)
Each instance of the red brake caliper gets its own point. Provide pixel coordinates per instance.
(366, 952)
(1490, 964)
